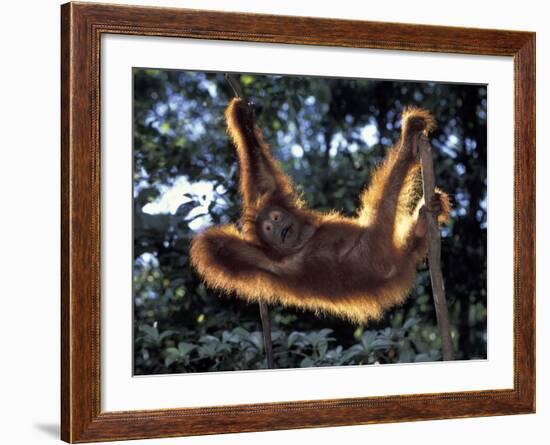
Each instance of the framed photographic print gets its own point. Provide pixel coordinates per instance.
(251, 235)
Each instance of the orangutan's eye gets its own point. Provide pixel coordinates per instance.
(275, 215)
(267, 227)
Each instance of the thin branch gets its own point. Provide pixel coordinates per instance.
(264, 310)
(434, 250)
(235, 85)
(266, 326)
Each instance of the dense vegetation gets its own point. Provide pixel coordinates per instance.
(328, 135)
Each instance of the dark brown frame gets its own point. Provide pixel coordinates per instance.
(81, 28)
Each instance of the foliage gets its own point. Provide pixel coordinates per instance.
(328, 134)
(241, 349)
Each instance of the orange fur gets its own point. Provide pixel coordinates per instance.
(355, 268)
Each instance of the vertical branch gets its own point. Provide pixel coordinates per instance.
(264, 310)
(266, 326)
(434, 250)
(235, 85)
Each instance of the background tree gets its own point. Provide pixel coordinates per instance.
(328, 135)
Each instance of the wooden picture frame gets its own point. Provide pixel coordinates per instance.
(82, 26)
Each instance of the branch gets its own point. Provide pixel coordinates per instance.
(235, 85)
(264, 310)
(266, 326)
(434, 250)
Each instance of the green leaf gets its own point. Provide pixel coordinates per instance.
(172, 351)
(209, 339)
(169, 360)
(410, 323)
(293, 337)
(172, 356)
(223, 347)
(381, 343)
(165, 334)
(229, 337)
(367, 338)
(150, 331)
(325, 332)
(352, 352)
(241, 332)
(322, 349)
(209, 350)
(185, 348)
(257, 340)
